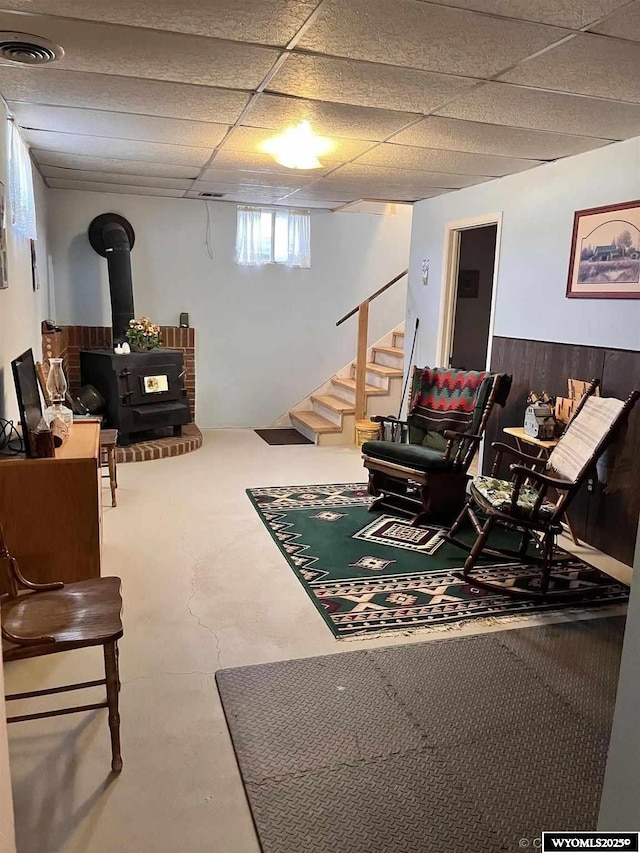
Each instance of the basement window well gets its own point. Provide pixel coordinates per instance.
(273, 236)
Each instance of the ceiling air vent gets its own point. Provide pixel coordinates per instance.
(28, 49)
(211, 195)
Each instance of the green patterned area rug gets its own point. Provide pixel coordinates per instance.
(370, 572)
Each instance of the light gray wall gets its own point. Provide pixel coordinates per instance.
(537, 208)
(620, 806)
(266, 337)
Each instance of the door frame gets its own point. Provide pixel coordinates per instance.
(450, 270)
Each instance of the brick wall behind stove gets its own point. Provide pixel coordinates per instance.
(68, 342)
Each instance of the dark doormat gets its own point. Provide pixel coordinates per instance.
(453, 746)
(368, 573)
(282, 436)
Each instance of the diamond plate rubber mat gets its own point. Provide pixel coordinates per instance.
(466, 745)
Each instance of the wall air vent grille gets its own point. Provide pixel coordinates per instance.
(27, 49)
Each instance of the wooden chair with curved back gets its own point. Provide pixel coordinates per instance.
(43, 619)
(525, 503)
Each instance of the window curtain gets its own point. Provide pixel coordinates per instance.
(253, 245)
(299, 254)
(21, 198)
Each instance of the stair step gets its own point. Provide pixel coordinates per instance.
(314, 421)
(336, 404)
(382, 369)
(350, 385)
(398, 332)
(390, 351)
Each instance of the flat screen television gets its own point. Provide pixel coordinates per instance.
(28, 394)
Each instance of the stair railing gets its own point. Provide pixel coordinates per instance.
(362, 311)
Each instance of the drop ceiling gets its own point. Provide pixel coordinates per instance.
(420, 97)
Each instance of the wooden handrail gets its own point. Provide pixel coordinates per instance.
(372, 297)
(362, 311)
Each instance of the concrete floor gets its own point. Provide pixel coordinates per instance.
(204, 587)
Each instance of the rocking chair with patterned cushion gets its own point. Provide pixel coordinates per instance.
(524, 503)
(422, 470)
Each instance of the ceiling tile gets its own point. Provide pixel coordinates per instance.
(279, 112)
(624, 24)
(173, 131)
(585, 65)
(318, 204)
(432, 160)
(130, 52)
(499, 103)
(366, 84)
(115, 178)
(121, 149)
(260, 195)
(257, 177)
(122, 94)
(89, 186)
(250, 140)
(107, 164)
(476, 137)
(574, 14)
(325, 192)
(245, 190)
(358, 172)
(422, 35)
(246, 161)
(244, 185)
(268, 22)
(386, 188)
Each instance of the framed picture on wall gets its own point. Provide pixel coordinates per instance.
(605, 252)
(4, 278)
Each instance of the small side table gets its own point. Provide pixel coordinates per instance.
(544, 448)
(108, 439)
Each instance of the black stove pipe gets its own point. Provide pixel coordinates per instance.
(112, 236)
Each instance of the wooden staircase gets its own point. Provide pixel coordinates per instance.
(331, 418)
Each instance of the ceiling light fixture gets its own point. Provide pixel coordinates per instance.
(298, 147)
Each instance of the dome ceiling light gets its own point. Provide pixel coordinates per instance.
(298, 147)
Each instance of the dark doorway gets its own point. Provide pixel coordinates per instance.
(474, 294)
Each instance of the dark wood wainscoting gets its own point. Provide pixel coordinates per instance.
(607, 521)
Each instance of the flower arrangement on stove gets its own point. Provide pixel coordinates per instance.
(143, 335)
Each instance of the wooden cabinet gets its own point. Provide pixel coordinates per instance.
(51, 509)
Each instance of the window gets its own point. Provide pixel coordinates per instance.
(21, 197)
(266, 236)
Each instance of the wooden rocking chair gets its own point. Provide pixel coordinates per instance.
(43, 619)
(522, 503)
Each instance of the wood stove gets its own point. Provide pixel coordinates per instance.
(144, 390)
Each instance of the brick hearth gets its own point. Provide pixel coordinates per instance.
(69, 340)
(160, 448)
